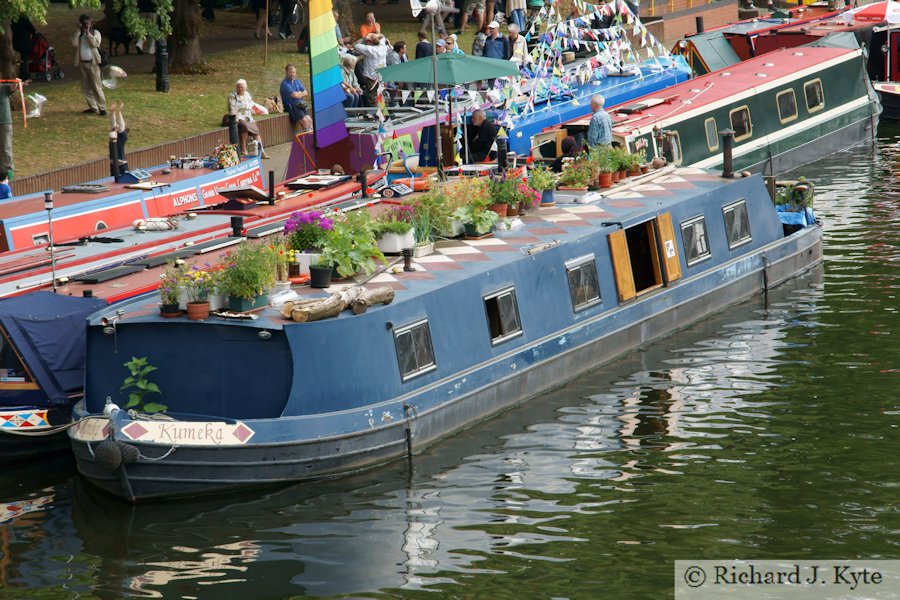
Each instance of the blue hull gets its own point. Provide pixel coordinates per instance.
(336, 404)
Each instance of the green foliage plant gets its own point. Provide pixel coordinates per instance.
(249, 270)
(541, 179)
(431, 213)
(350, 246)
(577, 173)
(393, 219)
(138, 386)
(478, 214)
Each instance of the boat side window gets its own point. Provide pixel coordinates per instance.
(740, 122)
(787, 106)
(503, 315)
(584, 285)
(696, 245)
(415, 353)
(671, 149)
(13, 373)
(712, 134)
(815, 95)
(737, 224)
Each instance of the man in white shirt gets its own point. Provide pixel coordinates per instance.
(374, 51)
(87, 58)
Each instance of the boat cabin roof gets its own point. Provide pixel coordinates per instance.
(704, 93)
(456, 260)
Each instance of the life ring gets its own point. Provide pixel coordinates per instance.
(417, 184)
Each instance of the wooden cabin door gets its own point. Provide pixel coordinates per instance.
(621, 262)
(667, 247)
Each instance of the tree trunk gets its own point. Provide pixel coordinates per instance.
(345, 10)
(8, 57)
(184, 43)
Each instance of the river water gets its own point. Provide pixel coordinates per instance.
(767, 431)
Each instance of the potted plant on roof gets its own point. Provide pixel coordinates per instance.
(393, 229)
(543, 180)
(505, 196)
(249, 272)
(199, 285)
(602, 159)
(430, 214)
(280, 257)
(456, 194)
(576, 175)
(306, 233)
(170, 282)
(622, 160)
(350, 246)
(638, 157)
(477, 218)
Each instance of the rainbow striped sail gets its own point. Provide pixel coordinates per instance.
(325, 76)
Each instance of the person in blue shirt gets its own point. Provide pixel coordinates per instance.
(495, 46)
(600, 129)
(5, 190)
(293, 97)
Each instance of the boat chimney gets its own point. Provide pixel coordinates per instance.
(233, 137)
(87, 293)
(271, 188)
(699, 21)
(502, 157)
(237, 227)
(364, 183)
(727, 147)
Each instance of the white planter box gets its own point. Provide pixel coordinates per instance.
(455, 229)
(304, 259)
(217, 301)
(393, 243)
(423, 249)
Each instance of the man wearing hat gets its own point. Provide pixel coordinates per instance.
(495, 46)
(440, 46)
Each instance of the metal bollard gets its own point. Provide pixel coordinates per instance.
(162, 66)
(233, 137)
(237, 226)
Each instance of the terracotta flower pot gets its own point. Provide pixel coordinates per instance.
(605, 180)
(512, 211)
(499, 208)
(197, 311)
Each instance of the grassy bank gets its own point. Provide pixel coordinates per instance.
(195, 103)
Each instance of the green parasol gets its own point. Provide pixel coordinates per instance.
(452, 69)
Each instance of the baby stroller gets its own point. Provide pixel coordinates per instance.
(42, 61)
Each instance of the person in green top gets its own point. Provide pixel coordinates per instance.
(6, 134)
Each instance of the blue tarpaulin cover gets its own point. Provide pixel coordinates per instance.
(791, 216)
(48, 331)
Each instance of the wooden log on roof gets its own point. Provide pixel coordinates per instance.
(306, 311)
(380, 295)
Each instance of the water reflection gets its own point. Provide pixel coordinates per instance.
(761, 432)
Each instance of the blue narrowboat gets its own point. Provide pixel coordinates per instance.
(477, 327)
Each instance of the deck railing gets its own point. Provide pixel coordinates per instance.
(274, 130)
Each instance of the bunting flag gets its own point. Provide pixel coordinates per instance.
(327, 94)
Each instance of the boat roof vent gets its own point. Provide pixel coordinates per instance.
(798, 54)
(761, 75)
(725, 74)
(769, 64)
